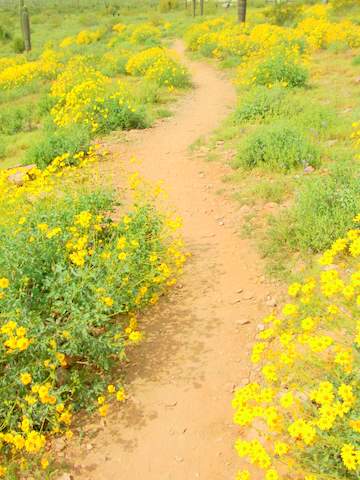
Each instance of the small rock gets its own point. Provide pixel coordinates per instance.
(179, 459)
(240, 290)
(270, 206)
(89, 446)
(261, 327)
(245, 209)
(59, 445)
(271, 302)
(243, 322)
(309, 169)
(66, 476)
(248, 296)
(18, 177)
(172, 404)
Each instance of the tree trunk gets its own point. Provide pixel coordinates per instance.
(201, 7)
(241, 10)
(194, 8)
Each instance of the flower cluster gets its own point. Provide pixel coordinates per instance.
(24, 72)
(159, 65)
(305, 407)
(145, 32)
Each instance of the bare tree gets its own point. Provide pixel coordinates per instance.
(201, 7)
(241, 6)
(194, 8)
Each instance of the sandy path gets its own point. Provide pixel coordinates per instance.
(177, 425)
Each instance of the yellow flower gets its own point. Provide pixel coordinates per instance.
(103, 410)
(120, 395)
(122, 256)
(44, 463)
(25, 378)
(101, 400)
(4, 282)
(111, 388)
(108, 301)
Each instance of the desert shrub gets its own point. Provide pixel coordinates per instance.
(300, 417)
(283, 68)
(343, 4)
(159, 65)
(3, 147)
(18, 45)
(324, 208)
(70, 140)
(121, 115)
(146, 34)
(356, 60)
(167, 5)
(279, 147)
(5, 35)
(14, 120)
(283, 13)
(72, 280)
(259, 103)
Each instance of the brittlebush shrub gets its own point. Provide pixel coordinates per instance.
(283, 13)
(159, 65)
(300, 418)
(168, 5)
(277, 147)
(146, 34)
(260, 103)
(72, 280)
(324, 208)
(281, 68)
(69, 140)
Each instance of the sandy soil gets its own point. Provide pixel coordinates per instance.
(177, 423)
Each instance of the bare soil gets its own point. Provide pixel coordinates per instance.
(177, 422)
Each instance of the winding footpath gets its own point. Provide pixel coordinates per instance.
(177, 423)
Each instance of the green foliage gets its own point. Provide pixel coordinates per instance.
(324, 209)
(5, 35)
(283, 13)
(14, 120)
(75, 313)
(55, 143)
(278, 147)
(265, 190)
(259, 103)
(356, 60)
(18, 45)
(168, 5)
(281, 68)
(122, 117)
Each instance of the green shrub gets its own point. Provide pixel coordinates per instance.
(55, 143)
(14, 120)
(5, 35)
(122, 117)
(2, 147)
(280, 68)
(356, 60)
(167, 5)
(283, 13)
(259, 103)
(323, 210)
(279, 147)
(71, 283)
(18, 45)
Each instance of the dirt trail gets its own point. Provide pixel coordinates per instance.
(177, 424)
